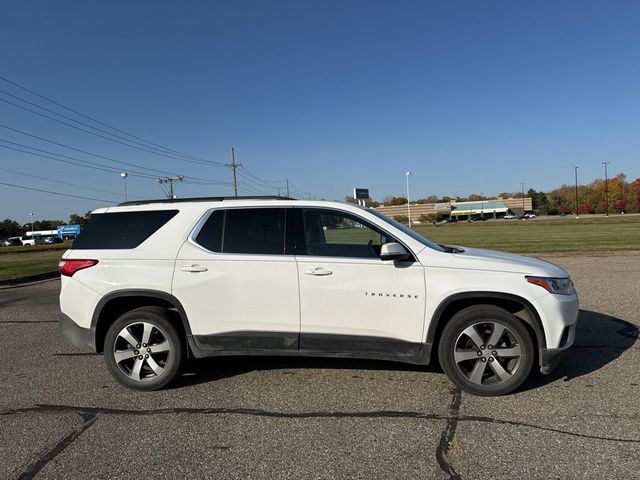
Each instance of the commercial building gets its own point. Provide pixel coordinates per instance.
(493, 208)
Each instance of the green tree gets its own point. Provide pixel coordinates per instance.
(398, 201)
(75, 219)
(9, 228)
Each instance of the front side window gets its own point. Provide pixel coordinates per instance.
(330, 233)
(403, 228)
(245, 230)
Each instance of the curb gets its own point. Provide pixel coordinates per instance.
(12, 282)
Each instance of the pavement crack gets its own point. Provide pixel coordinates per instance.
(453, 417)
(33, 469)
(442, 453)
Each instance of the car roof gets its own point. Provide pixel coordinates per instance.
(201, 199)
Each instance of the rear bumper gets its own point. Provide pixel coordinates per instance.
(83, 338)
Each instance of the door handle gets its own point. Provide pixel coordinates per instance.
(194, 268)
(318, 272)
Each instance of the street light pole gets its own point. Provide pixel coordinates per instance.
(576, 172)
(606, 187)
(481, 205)
(31, 218)
(408, 202)
(522, 186)
(124, 180)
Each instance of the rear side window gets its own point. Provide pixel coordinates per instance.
(122, 230)
(259, 231)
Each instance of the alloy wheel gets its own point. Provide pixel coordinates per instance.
(488, 353)
(142, 351)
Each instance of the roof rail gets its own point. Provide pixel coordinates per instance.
(201, 199)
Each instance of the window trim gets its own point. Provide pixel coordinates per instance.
(195, 231)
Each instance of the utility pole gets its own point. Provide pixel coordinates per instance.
(170, 181)
(408, 202)
(233, 166)
(522, 186)
(288, 188)
(576, 171)
(606, 187)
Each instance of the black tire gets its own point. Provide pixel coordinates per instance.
(486, 369)
(148, 365)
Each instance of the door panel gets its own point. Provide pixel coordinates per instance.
(350, 300)
(364, 305)
(238, 301)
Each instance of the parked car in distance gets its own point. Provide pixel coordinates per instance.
(510, 216)
(12, 242)
(52, 240)
(151, 283)
(48, 240)
(28, 240)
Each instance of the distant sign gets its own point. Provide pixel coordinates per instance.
(361, 193)
(68, 230)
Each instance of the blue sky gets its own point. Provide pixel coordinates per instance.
(470, 96)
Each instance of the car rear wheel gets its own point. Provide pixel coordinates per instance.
(143, 350)
(486, 350)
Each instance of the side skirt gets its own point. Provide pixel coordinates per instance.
(324, 346)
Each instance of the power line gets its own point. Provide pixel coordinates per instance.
(55, 193)
(251, 190)
(85, 163)
(255, 184)
(81, 151)
(266, 183)
(61, 182)
(105, 124)
(192, 182)
(4, 92)
(96, 166)
(174, 157)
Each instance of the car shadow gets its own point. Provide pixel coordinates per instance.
(600, 339)
(217, 368)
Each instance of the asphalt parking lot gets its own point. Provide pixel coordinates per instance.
(62, 416)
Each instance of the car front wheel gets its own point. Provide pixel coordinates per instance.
(143, 350)
(486, 350)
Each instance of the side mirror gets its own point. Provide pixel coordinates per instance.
(393, 251)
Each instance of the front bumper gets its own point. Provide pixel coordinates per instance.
(83, 338)
(559, 315)
(551, 357)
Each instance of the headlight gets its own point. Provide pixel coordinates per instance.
(561, 286)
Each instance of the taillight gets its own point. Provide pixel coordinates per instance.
(69, 267)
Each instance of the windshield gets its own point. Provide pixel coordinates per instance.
(412, 233)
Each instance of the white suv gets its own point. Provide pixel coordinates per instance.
(150, 283)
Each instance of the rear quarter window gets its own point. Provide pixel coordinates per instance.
(121, 230)
(258, 231)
